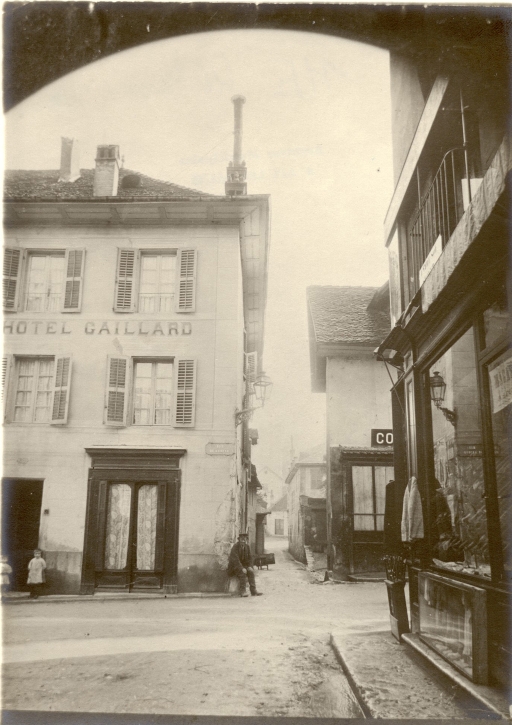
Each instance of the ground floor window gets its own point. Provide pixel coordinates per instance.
(34, 389)
(458, 489)
(369, 495)
(279, 527)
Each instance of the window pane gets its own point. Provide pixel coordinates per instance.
(118, 526)
(152, 399)
(500, 384)
(32, 400)
(146, 527)
(142, 394)
(45, 282)
(157, 281)
(460, 527)
(496, 320)
(363, 498)
(55, 282)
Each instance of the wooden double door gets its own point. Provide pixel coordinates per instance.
(132, 531)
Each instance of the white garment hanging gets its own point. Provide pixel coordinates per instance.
(412, 513)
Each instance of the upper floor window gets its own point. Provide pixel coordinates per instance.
(152, 393)
(39, 392)
(369, 495)
(43, 281)
(155, 281)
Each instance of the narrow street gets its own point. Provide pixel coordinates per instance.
(263, 656)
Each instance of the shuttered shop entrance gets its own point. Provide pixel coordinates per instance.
(131, 541)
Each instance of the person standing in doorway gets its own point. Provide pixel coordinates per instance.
(5, 571)
(36, 576)
(240, 565)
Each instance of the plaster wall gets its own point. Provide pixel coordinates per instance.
(213, 335)
(358, 399)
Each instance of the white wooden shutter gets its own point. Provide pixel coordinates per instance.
(125, 281)
(7, 361)
(251, 366)
(75, 261)
(187, 264)
(12, 268)
(185, 393)
(61, 387)
(116, 402)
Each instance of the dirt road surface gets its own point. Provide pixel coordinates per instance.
(260, 656)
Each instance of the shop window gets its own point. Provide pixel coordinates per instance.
(150, 391)
(147, 281)
(39, 391)
(457, 491)
(53, 280)
(369, 495)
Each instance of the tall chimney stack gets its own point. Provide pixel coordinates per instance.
(69, 159)
(106, 172)
(236, 184)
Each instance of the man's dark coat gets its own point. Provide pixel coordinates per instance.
(239, 558)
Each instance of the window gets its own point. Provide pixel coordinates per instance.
(40, 389)
(369, 495)
(152, 393)
(162, 391)
(155, 281)
(53, 280)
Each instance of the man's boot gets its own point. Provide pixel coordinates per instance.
(254, 593)
(244, 593)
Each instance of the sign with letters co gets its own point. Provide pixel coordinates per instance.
(382, 437)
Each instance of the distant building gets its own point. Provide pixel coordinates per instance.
(306, 479)
(272, 484)
(277, 520)
(345, 326)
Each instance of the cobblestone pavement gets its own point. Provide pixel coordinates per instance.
(262, 656)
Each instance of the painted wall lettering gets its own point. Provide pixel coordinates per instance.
(97, 327)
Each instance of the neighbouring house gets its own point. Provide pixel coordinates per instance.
(345, 326)
(447, 234)
(273, 485)
(133, 329)
(306, 483)
(277, 521)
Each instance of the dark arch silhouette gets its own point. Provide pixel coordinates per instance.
(44, 41)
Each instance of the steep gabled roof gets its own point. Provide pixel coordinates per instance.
(281, 504)
(46, 185)
(344, 317)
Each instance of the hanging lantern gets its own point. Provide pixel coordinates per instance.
(437, 389)
(262, 387)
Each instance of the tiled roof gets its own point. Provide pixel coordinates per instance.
(281, 504)
(46, 185)
(341, 314)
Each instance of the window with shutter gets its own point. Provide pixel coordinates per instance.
(185, 393)
(117, 391)
(12, 259)
(61, 387)
(125, 280)
(6, 368)
(75, 260)
(251, 368)
(187, 263)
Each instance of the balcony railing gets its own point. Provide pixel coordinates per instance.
(439, 212)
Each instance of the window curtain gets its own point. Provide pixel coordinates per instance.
(146, 527)
(118, 526)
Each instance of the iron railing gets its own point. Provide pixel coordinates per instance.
(440, 210)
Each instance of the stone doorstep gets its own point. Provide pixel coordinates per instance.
(377, 667)
(114, 596)
(488, 696)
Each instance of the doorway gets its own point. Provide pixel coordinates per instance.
(131, 540)
(21, 516)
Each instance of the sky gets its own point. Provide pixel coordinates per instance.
(316, 137)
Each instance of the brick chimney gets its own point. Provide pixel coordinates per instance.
(106, 173)
(69, 159)
(236, 184)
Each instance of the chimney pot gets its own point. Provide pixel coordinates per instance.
(69, 159)
(106, 172)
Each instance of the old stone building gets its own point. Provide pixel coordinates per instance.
(133, 330)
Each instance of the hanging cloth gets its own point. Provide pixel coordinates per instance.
(412, 513)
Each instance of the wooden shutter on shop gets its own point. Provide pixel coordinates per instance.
(116, 402)
(160, 526)
(75, 262)
(185, 393)
(101, 519)
(12, 268)
(172, 524)
(187, 264)
(61, 387)
(125, 281)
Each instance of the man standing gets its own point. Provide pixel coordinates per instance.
(240, 565)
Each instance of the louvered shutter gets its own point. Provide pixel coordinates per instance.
(251, 366)
(75, 261)
(61, 387)
(185, 393)
(12, 266)
(6, 369)
(125, 281)
(116, 391)
(187, 264)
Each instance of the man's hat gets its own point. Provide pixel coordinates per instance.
(243, 533)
